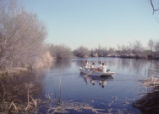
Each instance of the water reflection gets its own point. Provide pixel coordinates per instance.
(153, 69)
(96, 80)
(61, 64)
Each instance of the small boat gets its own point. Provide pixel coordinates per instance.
(95, 73)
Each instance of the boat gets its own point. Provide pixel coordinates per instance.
(95, 73)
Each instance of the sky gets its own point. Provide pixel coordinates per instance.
(94, 23)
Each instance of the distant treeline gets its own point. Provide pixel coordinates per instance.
(132, 50)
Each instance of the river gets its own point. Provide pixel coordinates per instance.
(76, 93)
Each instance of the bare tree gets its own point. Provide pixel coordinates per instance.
(21, 36)
(81, 52)
(157, 47)
(60, 52)
(151, 45)
(138, 47)
(155, 9)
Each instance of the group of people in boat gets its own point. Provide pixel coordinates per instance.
(100, 67)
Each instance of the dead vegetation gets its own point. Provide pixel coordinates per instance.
(18, 97)
(22, 37)
(149, 103)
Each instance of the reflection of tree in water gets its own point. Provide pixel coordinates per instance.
(138, 65)
(123, 63)
(149, 68)
(134, 65)
(109, 62)
(79, 62)
(61, 64)
(19, 93)
(153, 69)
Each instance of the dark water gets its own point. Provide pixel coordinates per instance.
(62, 89)
(115, 94)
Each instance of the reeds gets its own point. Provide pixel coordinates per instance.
(18, 93)
(149, 103)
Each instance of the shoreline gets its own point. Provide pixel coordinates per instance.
(143, 58)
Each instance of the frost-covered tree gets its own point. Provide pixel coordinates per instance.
(60, 52)
(21, 35)
(81, 52)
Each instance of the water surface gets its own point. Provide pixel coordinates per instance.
(62, 89)
(115, 94)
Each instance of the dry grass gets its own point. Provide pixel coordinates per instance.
(149, 103)
(65, 107)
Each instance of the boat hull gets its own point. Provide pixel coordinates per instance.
(95, 73)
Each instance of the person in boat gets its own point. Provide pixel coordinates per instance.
(99, 68)
(104, 68)
(92, 67)
(86, 65)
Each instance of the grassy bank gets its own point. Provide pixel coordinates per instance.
(17, 93)
(149, 102)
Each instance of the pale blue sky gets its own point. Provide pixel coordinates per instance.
(96, 22)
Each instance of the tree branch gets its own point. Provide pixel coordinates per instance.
(153, 8)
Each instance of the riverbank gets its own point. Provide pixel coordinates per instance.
(136, 57)
(149, 102)
(18, 92)
(124, 57)
(43, 62)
